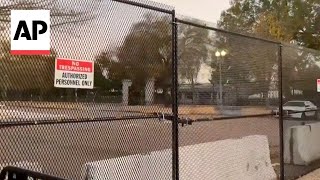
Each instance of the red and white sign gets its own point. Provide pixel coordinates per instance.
(30, 32)
(318, 85)
(70, 73)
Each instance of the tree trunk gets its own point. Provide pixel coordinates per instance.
(237, 95)
(193, 91)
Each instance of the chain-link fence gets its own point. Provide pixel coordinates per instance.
(301, 70)
(108, 132)
(228, 87)
(172, 98)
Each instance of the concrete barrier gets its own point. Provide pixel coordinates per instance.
(230, 111)
(153, 166)
(247, 158)
(302, 145)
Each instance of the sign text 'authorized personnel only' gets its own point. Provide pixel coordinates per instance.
(71, 73)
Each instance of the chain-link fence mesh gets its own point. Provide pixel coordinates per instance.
(107, 132)
(228, 88)
(228, 98)
(301, 70)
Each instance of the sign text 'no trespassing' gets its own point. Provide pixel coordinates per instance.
(71, 73)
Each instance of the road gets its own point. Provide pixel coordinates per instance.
(63, 149)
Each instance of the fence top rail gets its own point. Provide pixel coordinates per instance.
(145, 6)
(225, 31)
(300, 47)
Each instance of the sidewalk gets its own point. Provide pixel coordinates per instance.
(315, 175)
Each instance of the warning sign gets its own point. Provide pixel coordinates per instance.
(71, 73)
(318, 85)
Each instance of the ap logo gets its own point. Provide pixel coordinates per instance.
(30, 32)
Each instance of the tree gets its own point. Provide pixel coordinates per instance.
(194, 45)
(26, 73)
(248, 65)
(300, 71)
(65, 13)
(104, 82)
(64, 16)
(144, 54)
(285, 21)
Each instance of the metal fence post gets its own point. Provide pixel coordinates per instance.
(280, 111)
(175, 128)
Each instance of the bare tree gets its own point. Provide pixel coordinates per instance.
(62, 12)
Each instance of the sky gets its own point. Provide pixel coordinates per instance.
(207, 10)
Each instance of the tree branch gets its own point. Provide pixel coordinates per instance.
(60, 17)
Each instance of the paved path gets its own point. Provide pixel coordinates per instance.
(315, 175)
